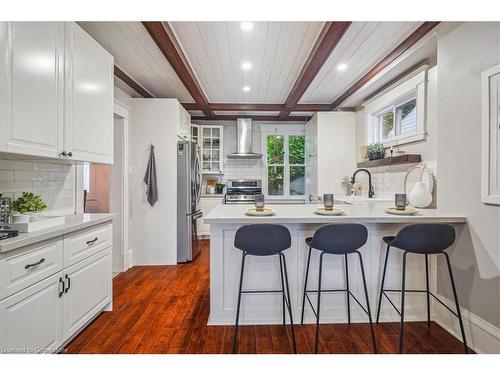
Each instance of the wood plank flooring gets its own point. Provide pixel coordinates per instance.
(164, 309)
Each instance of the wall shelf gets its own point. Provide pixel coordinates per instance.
(401, 159)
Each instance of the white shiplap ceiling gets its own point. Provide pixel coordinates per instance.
(363, 45)
(276, 50)
(139, 57)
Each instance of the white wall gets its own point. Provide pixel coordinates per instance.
(389, 180)
(153, 230)
(54, 182)
(463, 53)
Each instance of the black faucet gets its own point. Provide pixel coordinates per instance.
(371, 192)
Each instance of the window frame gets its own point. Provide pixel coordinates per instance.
(396, 127)
(412, 88)
(286, 131)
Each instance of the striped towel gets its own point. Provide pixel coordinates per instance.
(150, 178)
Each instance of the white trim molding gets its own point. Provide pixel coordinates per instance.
(416, 86)
(482, 337)
(490, 136)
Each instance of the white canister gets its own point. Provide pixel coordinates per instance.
(420, 195)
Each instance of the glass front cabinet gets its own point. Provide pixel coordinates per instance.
(212, 149)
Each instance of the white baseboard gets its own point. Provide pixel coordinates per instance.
(128, 259)
(482, 337)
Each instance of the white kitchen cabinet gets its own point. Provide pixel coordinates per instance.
(183, 123)
(88, 127)
(56, 92)
(195, 134)
(30, 321)
(88, 291)
(207, 204)
(31, 88)
(330, 152)
(212, 152)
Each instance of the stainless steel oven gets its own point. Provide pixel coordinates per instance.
(242, 191)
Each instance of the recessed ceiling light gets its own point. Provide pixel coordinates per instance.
(246, 88)
(246, 66)
(342, 67)
(246, 26)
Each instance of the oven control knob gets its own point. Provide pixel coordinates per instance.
(244, 197)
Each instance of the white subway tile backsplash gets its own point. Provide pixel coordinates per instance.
(54, 182)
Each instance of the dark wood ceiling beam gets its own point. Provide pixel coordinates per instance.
(418, 34)
(131, 83)
(255, 118)
(330, 36)
(307, 107)
(163, 36)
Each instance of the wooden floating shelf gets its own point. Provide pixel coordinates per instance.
(401, 159)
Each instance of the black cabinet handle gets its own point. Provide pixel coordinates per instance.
(69, 283)
(28, 266)
(91, 242)
(70, 154)
(61, 290)
(63, 153)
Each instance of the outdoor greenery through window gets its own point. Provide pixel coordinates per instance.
(285, 165)
(398, 120)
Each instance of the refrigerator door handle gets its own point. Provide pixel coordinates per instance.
(198, 176)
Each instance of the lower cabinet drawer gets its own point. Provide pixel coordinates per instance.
(87, 242)
(33, 264)
(30, 321)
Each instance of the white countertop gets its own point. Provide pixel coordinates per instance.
(72, 223)
(372, 212)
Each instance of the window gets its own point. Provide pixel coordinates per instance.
(399, 120)
(398, 115)
(285, 164)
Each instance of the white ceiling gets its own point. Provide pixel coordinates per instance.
(276, 50)
(139, 57)
(363, 45)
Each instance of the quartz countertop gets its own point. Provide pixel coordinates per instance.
(72, 224)
(365, 212)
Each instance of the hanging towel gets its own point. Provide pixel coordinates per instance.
(150, 178)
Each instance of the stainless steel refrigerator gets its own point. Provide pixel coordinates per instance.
(188, 200)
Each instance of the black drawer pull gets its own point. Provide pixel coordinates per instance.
(28, 266)
(61, 291)
(69, 283)
(92, 241)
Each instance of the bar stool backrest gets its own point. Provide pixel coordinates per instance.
(339, 238)
(425, 238)
(262, 239)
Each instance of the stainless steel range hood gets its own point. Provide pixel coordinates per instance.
(244, 141)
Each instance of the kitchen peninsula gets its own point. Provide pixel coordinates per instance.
(225, 263)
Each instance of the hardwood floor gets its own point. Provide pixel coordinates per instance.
(164, 309)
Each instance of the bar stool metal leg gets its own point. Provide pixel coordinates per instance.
(457, 306)
(316, 342)
(282, 288)
(401, 334)
(367, 302)
(305, 287)
(382, 284)
(289, 302)
(347, 288)
(235, 337)
(427, 290)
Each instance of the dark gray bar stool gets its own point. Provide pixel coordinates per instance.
(264, 240)
(337, 239)
(423, 239)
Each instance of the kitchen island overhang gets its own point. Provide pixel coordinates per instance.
(261, 272)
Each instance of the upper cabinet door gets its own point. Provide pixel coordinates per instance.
(31, 88)
(88, 131)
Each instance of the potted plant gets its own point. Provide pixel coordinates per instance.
(219, 188)
(28, 205)
(375, 151)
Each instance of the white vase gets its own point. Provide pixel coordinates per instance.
(420, 195)
(20, 218)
